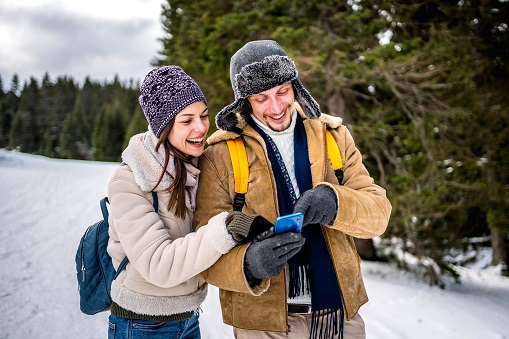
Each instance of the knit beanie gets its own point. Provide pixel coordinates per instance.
(165, 92)
(259, 66)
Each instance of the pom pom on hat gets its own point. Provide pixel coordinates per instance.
(165, 92)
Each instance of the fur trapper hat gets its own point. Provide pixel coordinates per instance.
(259, 66)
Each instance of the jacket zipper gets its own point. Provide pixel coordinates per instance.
(288, 327)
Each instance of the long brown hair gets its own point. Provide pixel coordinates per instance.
(178, 186)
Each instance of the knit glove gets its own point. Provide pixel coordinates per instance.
(245, 227)
(266, 258)
(319, 206)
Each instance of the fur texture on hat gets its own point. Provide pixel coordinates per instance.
(257, 67)
(165, 92)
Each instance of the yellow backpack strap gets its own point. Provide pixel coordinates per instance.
(240, 166)
(335, 156)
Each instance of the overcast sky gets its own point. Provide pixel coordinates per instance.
(99, 38)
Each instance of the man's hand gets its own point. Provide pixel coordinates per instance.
(266, 258)
(319, 206)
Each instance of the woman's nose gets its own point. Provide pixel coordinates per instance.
(201, 126)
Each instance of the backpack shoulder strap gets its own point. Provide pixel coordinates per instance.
(335, 156)
(104, 209)
(121, 267)
(240, 166)
(155, 201)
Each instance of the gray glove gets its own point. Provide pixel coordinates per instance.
(319, 206)
(265, 258)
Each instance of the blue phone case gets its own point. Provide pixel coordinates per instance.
(290, 222)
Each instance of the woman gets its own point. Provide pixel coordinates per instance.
(159, 293)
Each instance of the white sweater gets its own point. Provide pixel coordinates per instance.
(284, 143)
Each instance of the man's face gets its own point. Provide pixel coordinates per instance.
(274, 106)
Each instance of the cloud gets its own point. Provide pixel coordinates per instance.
(49, 39)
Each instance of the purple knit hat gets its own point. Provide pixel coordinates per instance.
(164, 93)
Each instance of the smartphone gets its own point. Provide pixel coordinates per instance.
(290, 222)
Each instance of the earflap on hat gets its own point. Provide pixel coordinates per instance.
(309, 106)
(227, 119)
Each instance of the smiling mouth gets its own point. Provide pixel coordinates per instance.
(196, 141)
(278, 117)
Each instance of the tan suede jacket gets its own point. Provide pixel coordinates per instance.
(363, 212)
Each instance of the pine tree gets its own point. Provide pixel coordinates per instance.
(137, 125)
(109, 131)
(8, 108)
(24, 131)
(64, 93)
(442, 75)
(15, 84)
(46, 115)
(3, 114)
(75, 138)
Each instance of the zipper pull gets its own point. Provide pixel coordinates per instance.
(82, 273)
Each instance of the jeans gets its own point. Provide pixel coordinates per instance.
(124, 328)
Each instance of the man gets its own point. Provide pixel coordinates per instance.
(319, 293)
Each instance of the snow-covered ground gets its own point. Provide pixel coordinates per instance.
(46, 205)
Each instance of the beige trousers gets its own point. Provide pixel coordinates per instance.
(299, 329)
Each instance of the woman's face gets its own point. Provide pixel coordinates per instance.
(190, 128)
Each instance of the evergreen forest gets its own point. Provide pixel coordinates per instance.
(423, 86)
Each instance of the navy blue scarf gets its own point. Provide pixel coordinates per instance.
(313, 261)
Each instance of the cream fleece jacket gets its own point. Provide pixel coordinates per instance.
(165, 256)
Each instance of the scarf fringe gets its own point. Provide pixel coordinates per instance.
(327, 324)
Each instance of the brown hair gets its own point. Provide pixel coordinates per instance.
(178, 186)
(246, 110)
